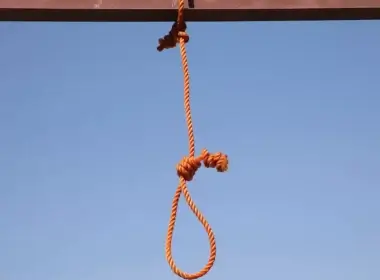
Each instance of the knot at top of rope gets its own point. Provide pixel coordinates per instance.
(174, 36)
(188, 166)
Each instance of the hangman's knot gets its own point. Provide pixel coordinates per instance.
(175, 35)
(188, 166)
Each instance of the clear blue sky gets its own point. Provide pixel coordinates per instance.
(92, 126)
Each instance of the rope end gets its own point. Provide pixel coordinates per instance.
(219, 161)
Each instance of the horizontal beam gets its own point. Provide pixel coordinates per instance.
(204, 10)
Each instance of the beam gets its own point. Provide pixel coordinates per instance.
(203, 10)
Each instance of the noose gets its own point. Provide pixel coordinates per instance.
(188, 166)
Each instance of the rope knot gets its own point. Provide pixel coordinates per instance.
(187, 167)
(177, 32)
(219, 161)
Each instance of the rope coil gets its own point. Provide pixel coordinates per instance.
(189, 165)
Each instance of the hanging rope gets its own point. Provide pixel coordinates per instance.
(188, 166)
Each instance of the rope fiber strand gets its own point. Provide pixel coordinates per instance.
(188, 166)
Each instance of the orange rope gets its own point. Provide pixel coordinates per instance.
(188, 166)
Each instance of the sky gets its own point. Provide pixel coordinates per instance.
(92, 126)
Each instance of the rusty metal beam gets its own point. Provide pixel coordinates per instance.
(203, 10)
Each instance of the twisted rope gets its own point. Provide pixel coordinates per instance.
(188, 166)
